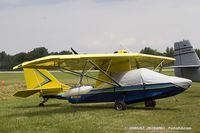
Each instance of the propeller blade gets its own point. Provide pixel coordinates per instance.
(74, 51)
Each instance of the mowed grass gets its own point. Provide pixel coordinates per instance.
(23, 115)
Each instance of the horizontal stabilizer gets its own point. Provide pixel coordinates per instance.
(186, 66)
(25, 93)
(29, 92)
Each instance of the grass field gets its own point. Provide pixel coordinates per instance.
(23, 115)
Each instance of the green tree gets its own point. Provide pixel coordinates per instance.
(2, 55)
(37, 53)
(6, 61)
(148, 50)
(64, 52)
(169, 52)
(198, 52)
(20, 57)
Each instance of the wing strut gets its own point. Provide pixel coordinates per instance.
(83, 73)
(95, 65)
(159, 65)
(110, 62)
(137, 64)
(79, 74)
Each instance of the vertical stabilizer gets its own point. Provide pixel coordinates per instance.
(185, 54)
(40, 80)
(187, 62)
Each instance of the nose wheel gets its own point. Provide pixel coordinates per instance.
(150, 103)
(120, 105)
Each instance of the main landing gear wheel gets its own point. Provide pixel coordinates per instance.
(120, 105)
(150, 103)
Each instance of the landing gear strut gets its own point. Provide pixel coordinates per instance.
(150, 103)
(120, 105)
(42, 103)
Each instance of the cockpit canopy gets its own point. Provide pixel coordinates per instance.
(145, 76)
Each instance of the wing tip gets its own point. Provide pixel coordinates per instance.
(17, 67)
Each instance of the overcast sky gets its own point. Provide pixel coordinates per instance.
(97, 26)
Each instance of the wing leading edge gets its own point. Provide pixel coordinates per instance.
(109, 62)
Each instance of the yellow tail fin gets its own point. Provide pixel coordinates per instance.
(40, 80)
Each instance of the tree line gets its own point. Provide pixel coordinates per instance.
(7, 62)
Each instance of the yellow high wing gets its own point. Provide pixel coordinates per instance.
(117, 62)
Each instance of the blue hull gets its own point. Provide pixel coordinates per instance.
(128, 94)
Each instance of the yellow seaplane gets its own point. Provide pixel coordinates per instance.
(123, 78)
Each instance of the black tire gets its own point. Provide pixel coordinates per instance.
(41, 105)
(120, 105)
(150, 103)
